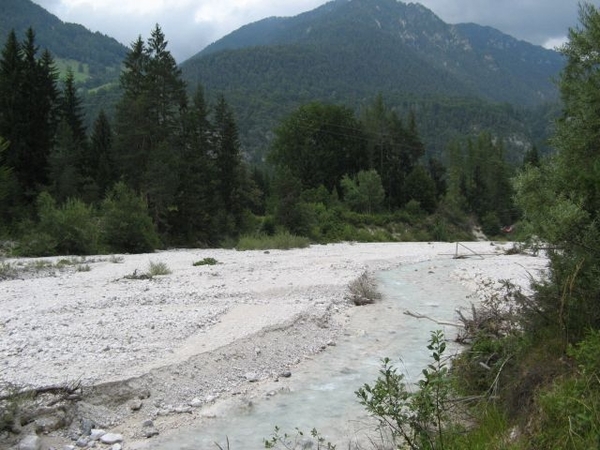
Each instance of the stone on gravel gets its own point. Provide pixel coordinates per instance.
(135, 404)
(82, 441)
(96, 434)
(86, 426)
(111, 438)
(31, 442)
(116, 447)
(252, 377)
(196, 403)
(285, 374)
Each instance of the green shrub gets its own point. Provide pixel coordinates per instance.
(206, 262)
(71, 229)
(126, 224)
(158, 268)
(282, 241)
(416, 420)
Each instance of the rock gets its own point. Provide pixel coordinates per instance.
(135, 404)
(150, 432)
(82, 441)
(86, 426)
(31, 442)
(48, 424)
(111, 438)
(285, 374)
(196, 403)
(182, 410)
(96, 434)
(69, 447)
(116, 446)
(252, 377)
(148, 423)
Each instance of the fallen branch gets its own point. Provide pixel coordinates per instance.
(66, 390)
(439, 322)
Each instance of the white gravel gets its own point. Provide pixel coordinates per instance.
(198, 333)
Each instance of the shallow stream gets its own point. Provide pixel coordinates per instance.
(320, 393)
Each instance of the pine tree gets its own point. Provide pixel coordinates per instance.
(228, 165)
(147, 148)
(99, 159)
(28, 113)
(196, 199)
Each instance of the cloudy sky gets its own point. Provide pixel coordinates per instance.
(190, 25)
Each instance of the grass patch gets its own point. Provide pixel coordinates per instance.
(206, 262)
(154, 269)
(280, 241)
(116, 259)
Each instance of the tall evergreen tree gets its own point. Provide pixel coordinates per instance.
(228, 164)
(196, 200)
(394, 150)
(99, 158)
(28, 117)
(148, 128)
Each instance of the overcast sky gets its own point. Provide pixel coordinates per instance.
(190, 25)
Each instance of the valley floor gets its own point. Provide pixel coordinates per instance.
(172, 348)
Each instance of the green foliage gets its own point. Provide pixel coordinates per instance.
(319, 143)
(126, 225)
(364, 193)
(158, 268)
(154, 269)
(208, 261)
(561, 198)
(418, 419)
(285, 441)
(282, 241)
(70, 229)
(570, 407)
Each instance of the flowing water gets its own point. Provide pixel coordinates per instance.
(320, 393)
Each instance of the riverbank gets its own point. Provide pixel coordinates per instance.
(169, 349)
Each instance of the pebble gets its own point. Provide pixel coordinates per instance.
(196, 403)
(252, 377)
(96, 434)
(111, 438)
(135, 404)
(31, 442)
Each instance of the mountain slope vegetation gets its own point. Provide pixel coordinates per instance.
(347, 52)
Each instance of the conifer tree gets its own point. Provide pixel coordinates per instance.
(28, 112)
(148, 129)
(101, 167)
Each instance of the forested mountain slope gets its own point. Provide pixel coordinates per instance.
(95, 58)
(350, 51)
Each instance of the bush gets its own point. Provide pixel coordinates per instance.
(71, 229)
(206, 262)
(363, 290)
(282, 241)
(420, 419)
(126, 224)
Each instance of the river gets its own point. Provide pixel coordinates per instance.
(321, 392)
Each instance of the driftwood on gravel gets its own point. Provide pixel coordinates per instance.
(66, 391)
(439, 322)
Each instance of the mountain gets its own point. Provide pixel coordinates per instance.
(95, 58)
(348, 51)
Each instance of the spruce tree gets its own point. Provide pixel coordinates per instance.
(149, 124)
